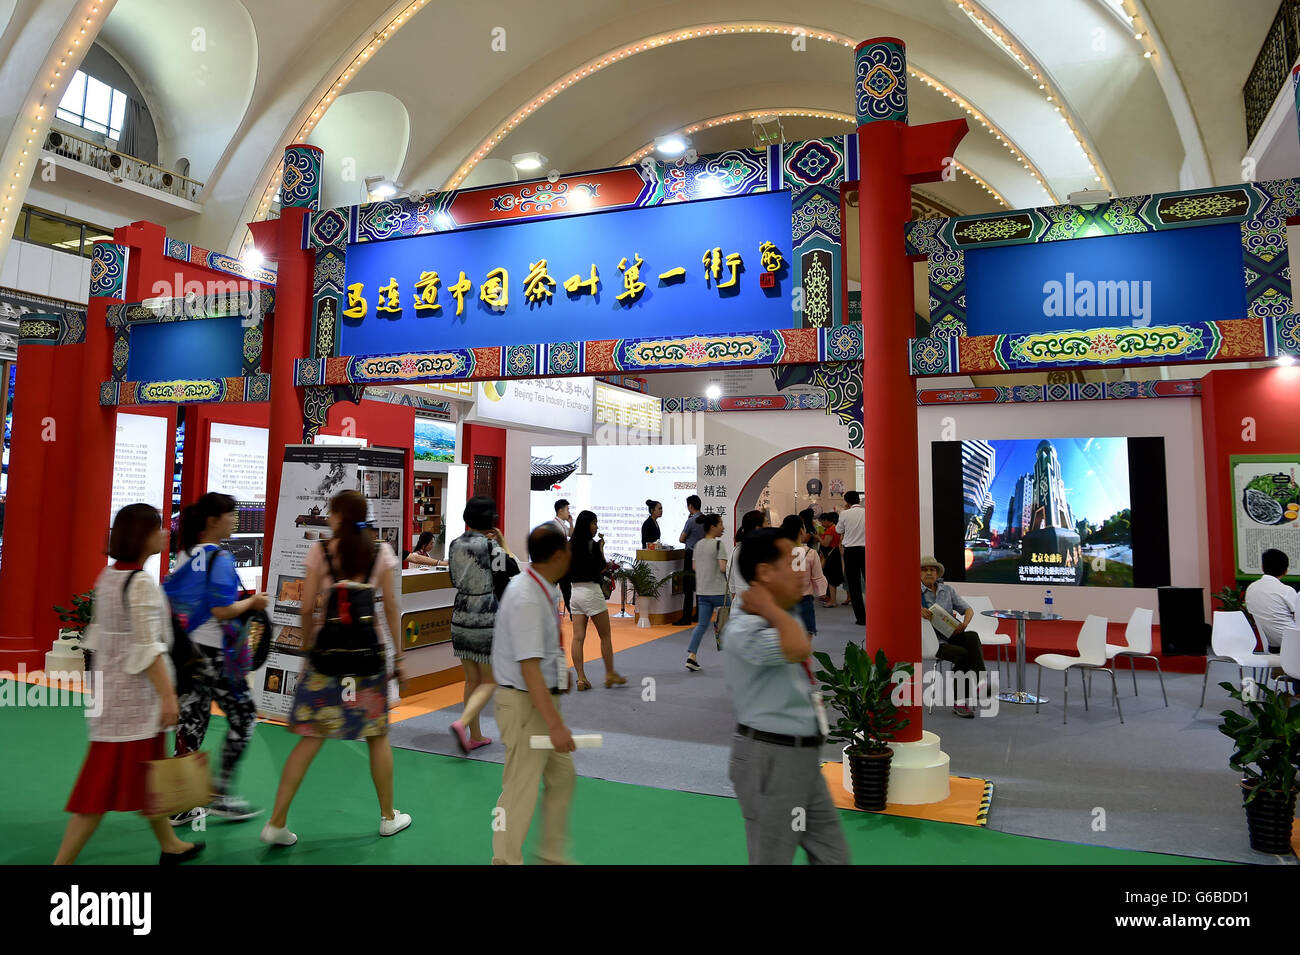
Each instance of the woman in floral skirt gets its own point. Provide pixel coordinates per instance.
(355, 707)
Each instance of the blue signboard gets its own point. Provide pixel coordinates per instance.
(1154, 278)
(171, 351)
(712, 266)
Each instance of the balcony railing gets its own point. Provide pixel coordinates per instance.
(121, 166)
(1272, 67)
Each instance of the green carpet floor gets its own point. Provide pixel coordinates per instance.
(451, 801)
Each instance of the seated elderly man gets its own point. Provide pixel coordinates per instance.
(1272, 603)
(962, 647)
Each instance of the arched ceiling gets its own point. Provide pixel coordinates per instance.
(459, 86)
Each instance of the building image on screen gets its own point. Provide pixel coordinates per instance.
(1049, 511)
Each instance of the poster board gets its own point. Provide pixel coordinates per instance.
(1265, 510)
(140, 472)
(311, 475)
(237, 461)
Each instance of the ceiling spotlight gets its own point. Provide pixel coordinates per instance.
(252, 258)
(1089, 197)
(380, 187)
(672, 145)
(1286, 360)
(528, 162)
(553, 176)
(713, 392)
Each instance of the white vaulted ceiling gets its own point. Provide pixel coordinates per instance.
(441, 94)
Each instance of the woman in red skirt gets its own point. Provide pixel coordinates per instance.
(130, 632)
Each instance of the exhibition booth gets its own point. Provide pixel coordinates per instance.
(736, 374)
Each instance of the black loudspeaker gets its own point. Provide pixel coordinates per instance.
(1183, 630)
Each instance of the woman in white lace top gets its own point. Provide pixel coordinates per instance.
(134, 698)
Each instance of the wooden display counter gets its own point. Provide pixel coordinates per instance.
(427, 597)
(667, 607)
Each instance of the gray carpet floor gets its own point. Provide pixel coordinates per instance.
(1159, 782)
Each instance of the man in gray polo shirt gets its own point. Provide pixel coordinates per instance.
(776, 752)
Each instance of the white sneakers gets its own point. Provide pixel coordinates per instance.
(277, 835)
(391, 827)
(281, 836)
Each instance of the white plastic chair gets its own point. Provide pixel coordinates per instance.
(1233, 641)
(1092, 656)
(929, 651)
(987, 628)
(1137, 637)
(1291, 653)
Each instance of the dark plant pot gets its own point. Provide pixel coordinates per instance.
(1268, 816)
(870, 775)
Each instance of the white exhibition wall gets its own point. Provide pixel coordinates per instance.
(1177, 420)
(748, 441)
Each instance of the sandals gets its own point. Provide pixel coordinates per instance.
(583, 684)
(614, 679)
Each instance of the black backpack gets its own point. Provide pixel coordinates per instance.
(348, 643)
(186, 658)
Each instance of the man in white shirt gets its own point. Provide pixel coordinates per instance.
(1272, 603)
(564, 521)
(532, 672)
(853, 530)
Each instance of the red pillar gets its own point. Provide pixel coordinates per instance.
(892, 156)
(287, 338)
(60, 488)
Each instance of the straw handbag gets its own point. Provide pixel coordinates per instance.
(177, 785)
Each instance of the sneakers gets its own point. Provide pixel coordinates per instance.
(186, 818)
(391, 827)
(965, 712)
(232, 808)
(693, 664)
(277, 835)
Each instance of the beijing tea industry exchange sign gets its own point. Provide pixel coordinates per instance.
(710, 266)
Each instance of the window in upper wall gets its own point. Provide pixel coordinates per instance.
(93, 105)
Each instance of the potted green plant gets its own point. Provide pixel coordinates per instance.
(641, 576)
(1266, 746)
(861, 693)
(1232, 598)
(75, 619)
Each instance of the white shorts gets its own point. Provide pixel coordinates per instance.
(588, 600)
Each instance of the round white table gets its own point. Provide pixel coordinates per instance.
(1020, 694)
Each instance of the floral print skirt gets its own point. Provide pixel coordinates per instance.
(331, 707)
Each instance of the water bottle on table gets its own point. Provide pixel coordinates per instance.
(1047, 602)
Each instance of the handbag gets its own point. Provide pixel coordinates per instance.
(177, 785)
(724, 614)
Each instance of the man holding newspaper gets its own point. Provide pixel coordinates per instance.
(961, 647)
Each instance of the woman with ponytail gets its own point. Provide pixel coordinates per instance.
(204, 592)
(345, 707)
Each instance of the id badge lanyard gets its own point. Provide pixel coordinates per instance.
(562, 666)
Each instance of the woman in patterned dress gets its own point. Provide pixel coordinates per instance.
(353, 707)
(471, 558)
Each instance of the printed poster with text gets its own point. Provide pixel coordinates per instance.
(1265, 509)
(312, 475)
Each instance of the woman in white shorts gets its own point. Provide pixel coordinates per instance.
(585, 572)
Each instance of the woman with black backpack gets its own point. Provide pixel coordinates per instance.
(343, 690)
(130, 632)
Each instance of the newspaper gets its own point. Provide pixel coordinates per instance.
(943, 622)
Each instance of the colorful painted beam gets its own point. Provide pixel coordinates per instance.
(783, 346)
(252, 303)
(217, 261)
(1247, 339)
(1260, 209)
(689, 403)
(250, 388)
(1064, 391)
